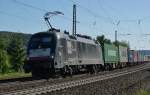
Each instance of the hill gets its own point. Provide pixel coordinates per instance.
(7, 36)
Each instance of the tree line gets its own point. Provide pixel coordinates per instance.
(12, 52)
(101, 39)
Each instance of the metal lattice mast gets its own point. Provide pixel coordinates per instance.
(74, 20)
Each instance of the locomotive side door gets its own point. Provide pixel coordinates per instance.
(79, 46)
(61, 53)
(71, 52)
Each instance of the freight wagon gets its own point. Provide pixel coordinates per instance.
(146, 58)
(140, 57)
(130, 57)
(146, 55)
(123, 55)
(110, 56)
(135, 57)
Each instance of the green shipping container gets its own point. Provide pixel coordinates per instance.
(111, 54)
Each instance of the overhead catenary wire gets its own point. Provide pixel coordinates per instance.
(121, 20)
(16, 16)
(39, 9)
(88, 10)
(28, 5)
(125, 20)
(110, 7)
(106, 19)
(43, 10)
(104, 10)
(34, 7)
(118, 12)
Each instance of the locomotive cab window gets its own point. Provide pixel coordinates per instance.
(42, 41)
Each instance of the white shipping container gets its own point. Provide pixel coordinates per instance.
(123, 54)
(147, 58)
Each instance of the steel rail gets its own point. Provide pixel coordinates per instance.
(70, 84)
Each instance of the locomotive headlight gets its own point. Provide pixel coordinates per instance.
(27, 58)
(52, 56)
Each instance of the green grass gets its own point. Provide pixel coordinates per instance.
(14, 75)
(143, 92)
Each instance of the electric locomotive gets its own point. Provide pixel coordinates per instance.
(56, 53)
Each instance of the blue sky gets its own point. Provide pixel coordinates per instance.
(96, 17)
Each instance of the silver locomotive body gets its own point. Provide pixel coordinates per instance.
(63, 54)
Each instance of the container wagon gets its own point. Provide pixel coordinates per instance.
(123, 56)
(131, 59)
(135, 57)
(146, 55)
(146, 58)
(140, 57)
(110, 56)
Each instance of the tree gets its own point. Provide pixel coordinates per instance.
(2, 44)
(17, 53)
(102, 40)
(4, 62)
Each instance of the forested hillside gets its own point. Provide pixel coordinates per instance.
(8, 36)
(12, 51)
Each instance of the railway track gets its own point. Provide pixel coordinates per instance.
(26, 84)
(73, 83)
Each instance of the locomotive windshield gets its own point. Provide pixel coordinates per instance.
(42, 44)
(42, 41)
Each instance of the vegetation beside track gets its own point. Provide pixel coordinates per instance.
(14, 75)
(12, 51)
(142, 87)
(143, 92)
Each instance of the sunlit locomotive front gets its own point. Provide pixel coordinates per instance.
(40, 53)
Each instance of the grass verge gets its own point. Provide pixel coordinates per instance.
(143, 92)
(14, 75)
